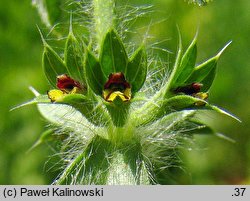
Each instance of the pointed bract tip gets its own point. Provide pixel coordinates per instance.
(222, 111)
(223, 49)
(35, 92)
(22, 105)
(41, 34)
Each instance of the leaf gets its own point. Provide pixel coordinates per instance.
(47, 136)
(187, 63)
(221, 111)
(173, 119)
(37, 99)
(197, 127)
(181, 102)
(60, 112)
(72, 58)
(93, 111)
(90, 166)
(202, 71)
(132, 168)
(177, 103)
(208, 80)
(154, 112)
(173, 75)
(199, 130)
(94, 74)
(88, 108)
(52, 65)
(137, 69)
(205, 72)
(79, 102)
(98, 157)
(184, 122)
(132, 164)
(113, 57)
(63, 115)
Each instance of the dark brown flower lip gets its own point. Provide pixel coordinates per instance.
(66, 83)
(190, 89)
(116, 81)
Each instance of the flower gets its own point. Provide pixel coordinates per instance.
(190, 89)
(194, 90)
(115, 87)
(66, 85)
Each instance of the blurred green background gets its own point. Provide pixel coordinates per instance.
(210, 160)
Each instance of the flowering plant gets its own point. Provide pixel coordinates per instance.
(118, 121)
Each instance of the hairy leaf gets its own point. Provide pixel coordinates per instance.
(94, 74)
(137, 69)
(73, 59)
(194, 126)
(202, 72)
(175, 71)
(48, 136)
(53, 65)
(88, 108)
(113, 57)
(205, 72)
(90, 166)
(63, 115)
(37, 99)
(187, 64)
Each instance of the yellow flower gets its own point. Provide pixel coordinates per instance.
(66, 85)
(115, 87)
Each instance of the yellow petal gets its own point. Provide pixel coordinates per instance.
(115, 94)
(55, 95)
(127, 93)
(106, 93)
(75, 90)
(201, 95)
(110, 95)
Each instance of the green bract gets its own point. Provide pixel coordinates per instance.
(53, 65)
(72, 64)
(73, 59)
(187, 64)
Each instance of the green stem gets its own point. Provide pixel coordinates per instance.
(104, 17)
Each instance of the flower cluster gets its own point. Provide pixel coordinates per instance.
(95, 99)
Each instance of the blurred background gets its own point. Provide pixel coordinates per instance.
(210, 160)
